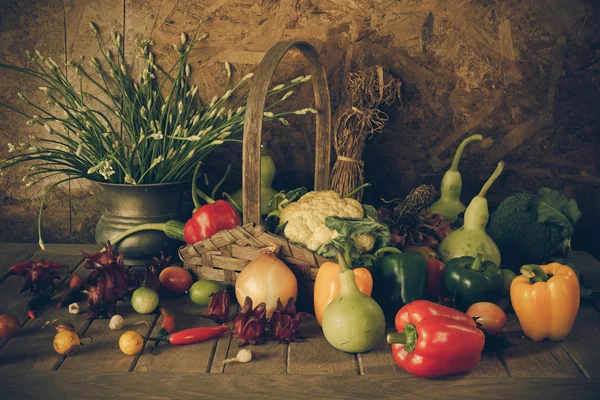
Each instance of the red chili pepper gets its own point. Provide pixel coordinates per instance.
(167, 327)
(35, 303)
(75, 285)
(434, 340)
(20, 268)
(168, 324)
(435, 275)
(194, 335)
(210, 218)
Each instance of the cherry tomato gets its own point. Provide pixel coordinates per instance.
(176, 279)
(144, 300)
(9, 325)
(131, 343)
(491, 317)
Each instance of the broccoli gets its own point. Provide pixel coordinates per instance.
(529, 228)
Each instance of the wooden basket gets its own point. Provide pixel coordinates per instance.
(223, 256)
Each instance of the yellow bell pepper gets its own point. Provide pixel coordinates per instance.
(546, 300)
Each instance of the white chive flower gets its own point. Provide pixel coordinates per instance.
(157, 161)
(129, 179)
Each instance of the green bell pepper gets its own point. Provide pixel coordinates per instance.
(470, 280)
(398, 279)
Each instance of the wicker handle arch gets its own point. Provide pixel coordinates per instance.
(254, 118)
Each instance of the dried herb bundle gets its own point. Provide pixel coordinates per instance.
(359, 119)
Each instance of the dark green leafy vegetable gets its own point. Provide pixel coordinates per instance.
(529, 228)
(552, 207)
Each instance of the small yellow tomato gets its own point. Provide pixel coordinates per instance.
(131, 343)
(66, 342)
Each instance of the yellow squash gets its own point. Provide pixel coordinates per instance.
(546, 300)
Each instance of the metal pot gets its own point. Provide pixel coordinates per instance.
(130, 205)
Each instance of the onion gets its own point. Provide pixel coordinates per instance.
(266, 279)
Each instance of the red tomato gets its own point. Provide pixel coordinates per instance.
(176, 279)
(491, 317)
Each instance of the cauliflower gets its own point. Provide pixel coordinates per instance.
(305, 219)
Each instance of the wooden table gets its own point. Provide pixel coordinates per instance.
(29, 367)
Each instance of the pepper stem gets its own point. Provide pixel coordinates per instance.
(384, 250)
(218, 185)
(358, 189)
(477, 264)
(203, 196)
(459, 151)
(232, 201)
(492, 179)
(408, 337)
(194, 194)
(535, 273)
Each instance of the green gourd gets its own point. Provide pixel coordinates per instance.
(267, 174)
(353, 322)
(449, 204)
(471, 238)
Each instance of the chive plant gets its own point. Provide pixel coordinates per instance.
(165, 130)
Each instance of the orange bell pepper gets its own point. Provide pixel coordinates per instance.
(546, 300)
(327, 285)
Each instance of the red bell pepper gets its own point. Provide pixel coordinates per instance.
(210, 218)
(435, 275)
(434, 340)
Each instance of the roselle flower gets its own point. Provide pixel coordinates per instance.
(284, 322)
(249, 325)
(108, 282)
(39, 276)
(105, 257)
(218, 308)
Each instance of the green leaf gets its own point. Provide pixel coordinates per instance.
(552, 207)
(370, 211)
(361, 226)
(340, 243)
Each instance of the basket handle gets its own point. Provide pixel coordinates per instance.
(254, 118)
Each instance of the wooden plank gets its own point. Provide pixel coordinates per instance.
(272, 359)
(103, 353)
(192, 358)
(470, 124)
(81, 384)
(14, 303)
(13, 253)
(379, 361)
(510, 69)
(317, 356)
(559, 58)
(31, 349)
(535, 359)
(583, 343)
(518, 135)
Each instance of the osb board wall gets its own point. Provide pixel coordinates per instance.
(524, 73)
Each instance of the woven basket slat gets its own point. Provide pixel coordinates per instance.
(223, 255)
(277, 241)
(228, 263)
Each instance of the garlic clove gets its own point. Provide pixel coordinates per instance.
(116, 322)
(243, 356)
(74, 308)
